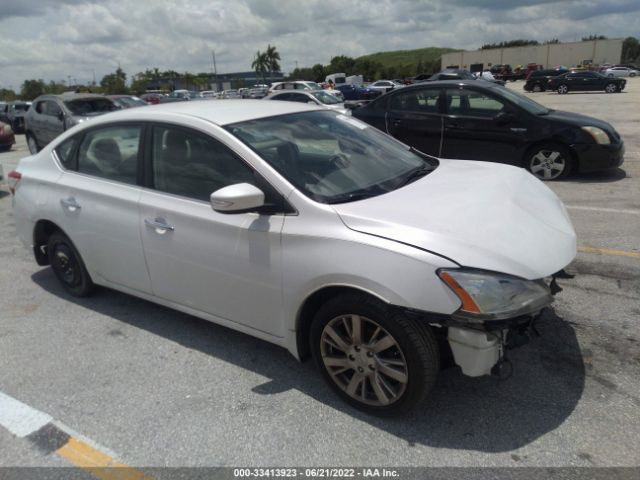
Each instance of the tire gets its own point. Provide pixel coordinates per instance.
(610, 75)
(32, 144)
(68, 266)
(562, 89)
(388, 381)
(611, 88)
(632, 74)
(549, 161)
(537, 88)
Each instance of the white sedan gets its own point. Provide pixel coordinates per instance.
(303, 227)
(620, 72)
(385, 85)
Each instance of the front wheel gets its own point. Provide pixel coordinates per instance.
(376, 359)
(562, 89)
(549, 161)
(537, 88)
(32, 144)
(610, 75)
(611, 88)
(68, 265)
(632, 74)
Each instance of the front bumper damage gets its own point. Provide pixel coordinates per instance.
(479, 349)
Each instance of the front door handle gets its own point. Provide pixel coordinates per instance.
(159, 225)
(70, 204)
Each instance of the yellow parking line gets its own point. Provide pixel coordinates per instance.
(97, 463)
(609, 251)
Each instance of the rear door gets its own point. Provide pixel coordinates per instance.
(226, 265)
(97, 202)
(481, 126)
(413, 116)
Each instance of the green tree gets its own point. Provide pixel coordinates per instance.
(31, 89)
(260, 65)
(342, 64)
(7, 95)
(114, 83)
(510, 43)
(272, 59)
(594, 37)
(630, 50)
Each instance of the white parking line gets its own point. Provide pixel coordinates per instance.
(20, 419)
(606, 210)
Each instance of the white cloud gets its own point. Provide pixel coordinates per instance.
(54, 39)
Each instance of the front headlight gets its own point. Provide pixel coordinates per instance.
(494, 296)
(599, 136)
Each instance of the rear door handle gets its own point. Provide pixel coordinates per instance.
(159, 225)
(70, 204)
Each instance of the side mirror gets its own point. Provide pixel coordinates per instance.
(238, 198)
(503, 118)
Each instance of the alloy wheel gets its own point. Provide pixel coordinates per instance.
(563, 89)
(610, 88)
(537, 88)
(548, 164)
(364, 360)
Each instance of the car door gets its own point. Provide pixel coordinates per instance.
(413, 117)
(226, 265)
(482, 126)
(52, 122)
(97, 201)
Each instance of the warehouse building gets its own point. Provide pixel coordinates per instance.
(596, 52)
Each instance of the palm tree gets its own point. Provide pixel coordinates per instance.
(272, 58)
(260, 64)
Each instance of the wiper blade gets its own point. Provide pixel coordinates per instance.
(415, 175)
(352, 197)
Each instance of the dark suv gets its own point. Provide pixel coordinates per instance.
(538, 79)
(50, 115)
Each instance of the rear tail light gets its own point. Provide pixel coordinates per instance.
(12, 179)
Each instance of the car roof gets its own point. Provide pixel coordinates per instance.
(220, 113)
(449, 83)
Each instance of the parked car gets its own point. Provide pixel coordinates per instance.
(317, 97)
(152, 98)
(460, 74)
(258, 92)
(538, 79)
(481, 121)
(50, 115)
(302, 85)
(620, 72)
(584, 82)
(230, 94)
(356, 92)
(176, 96)
(14, 113)
(385, 85)
(127, 101)
(209, 94)
(304, 228)
(7, 137)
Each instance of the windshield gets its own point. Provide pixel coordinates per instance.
(524, 102)
(332, 158)
(313, 85)
(90, 106)
(132, 101)
(326, 98)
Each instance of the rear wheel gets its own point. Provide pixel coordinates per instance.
(68, 266)
(32, 144)
(632, 74)
(562, 89)
(549, 161)
(537, 88)
(611, 88)
(376, 359)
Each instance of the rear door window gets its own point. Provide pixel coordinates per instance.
(111, 153)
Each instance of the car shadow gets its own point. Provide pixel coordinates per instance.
(482, 414)
(603, 176)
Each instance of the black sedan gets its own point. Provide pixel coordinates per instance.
(483, 121)
(584, 82)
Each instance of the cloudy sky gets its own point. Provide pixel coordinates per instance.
(77, 39)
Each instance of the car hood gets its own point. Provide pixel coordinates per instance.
(578, 120)
(481, 215)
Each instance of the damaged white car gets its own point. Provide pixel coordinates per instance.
(305, 228)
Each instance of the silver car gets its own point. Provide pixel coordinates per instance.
(620, 72)
(315, 97)
(303, 227)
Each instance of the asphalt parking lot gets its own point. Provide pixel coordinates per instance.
(152, 387)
